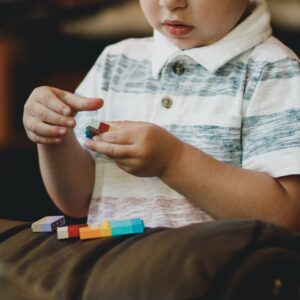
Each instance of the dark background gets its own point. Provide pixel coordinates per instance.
(35, 52)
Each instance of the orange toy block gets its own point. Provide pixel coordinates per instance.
(90, 232)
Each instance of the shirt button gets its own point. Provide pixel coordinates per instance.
(178, 68)
(166, 102)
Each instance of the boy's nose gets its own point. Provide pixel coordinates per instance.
(173, 4)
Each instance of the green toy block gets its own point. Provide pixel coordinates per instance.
(89, 134)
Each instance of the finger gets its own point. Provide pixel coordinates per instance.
(114, 151)
(123, 124)
(78, 103)
(121, 137)
(49, 116)
(120, 123)
(43, 129)
(121, 132)
(47, 97)
(127, 164)
(44, 140)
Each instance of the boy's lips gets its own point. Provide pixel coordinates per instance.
(177, 28)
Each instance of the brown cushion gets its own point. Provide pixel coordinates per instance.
(14, 288)
(193, 262)
(268, 273)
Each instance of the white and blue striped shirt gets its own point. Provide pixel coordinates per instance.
(238, 100)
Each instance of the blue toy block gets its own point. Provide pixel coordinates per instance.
(137, 225)
(130, 226)
(120, 227)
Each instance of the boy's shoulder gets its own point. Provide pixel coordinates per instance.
(132, 47)
(272, 50)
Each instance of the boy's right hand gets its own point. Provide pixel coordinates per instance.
(49, 112)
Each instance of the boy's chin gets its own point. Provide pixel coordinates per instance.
(184, 44)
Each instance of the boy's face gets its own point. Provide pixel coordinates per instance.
(193, 23)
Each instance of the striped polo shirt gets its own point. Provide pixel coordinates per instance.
(238, 100)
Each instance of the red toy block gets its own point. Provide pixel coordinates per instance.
(103, 127)
(73, 230)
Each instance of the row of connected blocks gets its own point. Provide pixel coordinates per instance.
(88, 231)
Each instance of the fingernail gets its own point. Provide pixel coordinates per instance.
(57, 141)
(66, 111)
(88, 143)
(96, 138)
(70, 123)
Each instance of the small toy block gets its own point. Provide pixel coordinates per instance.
(48, 224)
(90, 232)
(137, 225)
(103, 127)
(92, 128)
(73, 230)
(94, 124)
(62, 232)
(95, 127)
(121, 227)
(89, 134)
(105, 228)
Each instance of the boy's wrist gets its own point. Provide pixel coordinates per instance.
(173, 166)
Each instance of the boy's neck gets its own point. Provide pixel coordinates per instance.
(251, 6)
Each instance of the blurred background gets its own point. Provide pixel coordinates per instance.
(55, 42)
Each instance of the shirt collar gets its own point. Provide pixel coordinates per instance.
(252, 31)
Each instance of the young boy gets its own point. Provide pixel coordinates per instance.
(212, 130)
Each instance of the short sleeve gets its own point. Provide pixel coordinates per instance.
(271, 125)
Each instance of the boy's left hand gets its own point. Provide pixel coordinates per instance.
(140, 148)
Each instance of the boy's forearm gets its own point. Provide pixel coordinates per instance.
(226, 192)
(68, 174)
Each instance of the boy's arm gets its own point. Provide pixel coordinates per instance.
(67, 169)
(222, 190)
(226, 192)
(269, 133)
(68, 174)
